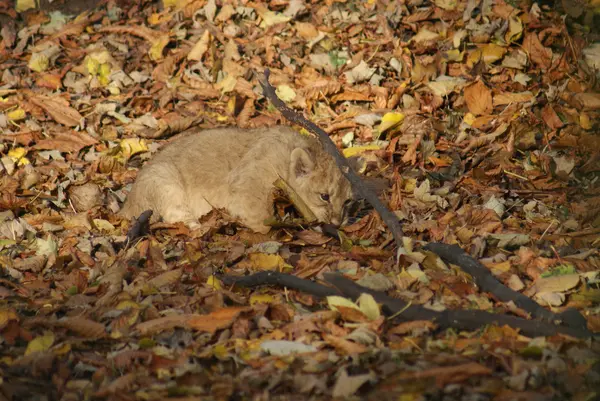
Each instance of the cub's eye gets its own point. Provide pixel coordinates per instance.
(325, 197)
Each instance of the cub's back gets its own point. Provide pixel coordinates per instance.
(205, 157)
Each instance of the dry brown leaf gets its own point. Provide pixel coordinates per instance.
(479, 99)
(550, 117)
(163, 323)
(306, 30)
(409, 327)
(217, 320)
(58, 108)
(243, 119)
(448, 374)
(84, 327)
(320, 88)
(503, 98)
(313, 238)
(121, 384)
(588, 101)
(349, 95)
(66, 142)
(344, 347)
(166, 279)
(538, 53)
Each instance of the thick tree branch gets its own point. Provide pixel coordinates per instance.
(488, 283)
(457, 319)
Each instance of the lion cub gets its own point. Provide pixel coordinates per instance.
(234, 169)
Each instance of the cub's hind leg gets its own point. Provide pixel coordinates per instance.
(160, 188)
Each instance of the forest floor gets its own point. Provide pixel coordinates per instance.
(482, 119)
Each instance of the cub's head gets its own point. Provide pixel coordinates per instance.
(320, 184)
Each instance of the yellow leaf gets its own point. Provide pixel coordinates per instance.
(226, 84)
(103, 225)
(214, 282)
(127, 304)
(38, 62)
(469, 119)
(104, 71)
(455, 55)
(473, 58)
(271, 18)
(17, 153)
(500, 266)
(390, 120)
(285, 93)
(356, 150)
(132, 146)
(6, 315)
(158, 46)
(261, 299)
(263, 261)
(16, 114)
(41, 343)
(515, 29)
(18, 156)
(169, 3)
(584, 121)
(155, 18)
(200, 47)
(92, 65)
(334, 301)
(446, 4)
(369, 306)
(23, 5)
(492, 53)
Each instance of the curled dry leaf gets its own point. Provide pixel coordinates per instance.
(58, 108)
(84, 327)
(344, 346)
(163, 323)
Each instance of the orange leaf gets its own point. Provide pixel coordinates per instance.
(216, 320)
(163, 323)
(344, 346)
(479, 98)
(538, 53)
(448, 374)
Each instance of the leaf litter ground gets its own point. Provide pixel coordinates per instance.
(479, 121)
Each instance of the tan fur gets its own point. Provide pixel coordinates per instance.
(234, 169)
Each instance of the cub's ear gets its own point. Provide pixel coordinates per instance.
(301, 163)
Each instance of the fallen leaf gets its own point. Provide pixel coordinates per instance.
(217, 320)
(59, 109)
(284, 348)
(66, 142)
(479, 99)
(40, 343)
